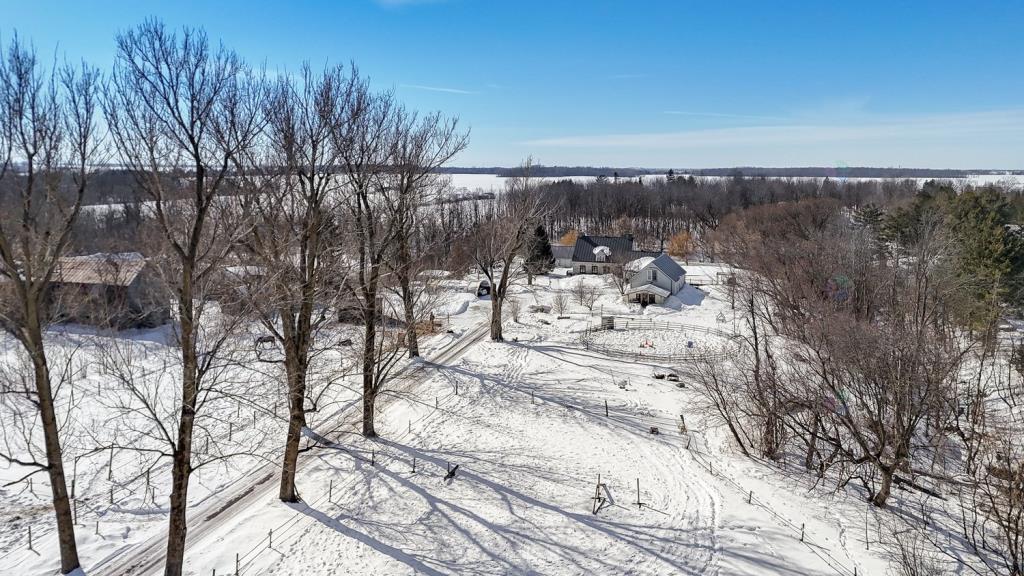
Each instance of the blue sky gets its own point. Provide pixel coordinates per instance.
(641, 83)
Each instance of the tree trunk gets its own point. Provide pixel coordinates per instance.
(181, 467)
(811, 447)
(369, 348)
(882, 495)
(496, 302)
(177, 526)
(409, 304)
(54, 455)
(296, 420)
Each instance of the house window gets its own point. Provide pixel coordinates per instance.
(605, 269)
(583, 268)
(654, 275)
(593, 269)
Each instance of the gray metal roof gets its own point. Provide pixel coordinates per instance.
(670, 267)
(621, 249)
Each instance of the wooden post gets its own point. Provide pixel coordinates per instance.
(373, 457)
(207, 449)
(436, 406)
(413, 464)
(97, 527)
(456, 387)
(639, 504)
(802, 532)
(111, 494)
(110, 465)
(605, 408)
(236, 564)
(231, 429)
(410, 426)
(750, 499)
(253, 418)
(270, 538)
(330, 491)
(30, 537)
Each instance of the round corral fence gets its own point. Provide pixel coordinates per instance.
(644, 339)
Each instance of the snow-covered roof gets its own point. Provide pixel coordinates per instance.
(648, 288)
(638, 264)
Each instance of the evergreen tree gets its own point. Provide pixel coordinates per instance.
(990, 255)
(539, 258)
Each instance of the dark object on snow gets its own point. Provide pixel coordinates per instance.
(672, 377)
(345, 342)
(563, 318)
(261, 340)
(451, 473)
(450, 331)
(659, 376)
(655, 431)
(484, 289)
(540, 309)
(545, 322)
(680, 385)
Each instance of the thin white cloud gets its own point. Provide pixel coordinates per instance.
(437, 89)
(930, 129)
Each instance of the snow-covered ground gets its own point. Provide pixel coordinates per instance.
(531, 423)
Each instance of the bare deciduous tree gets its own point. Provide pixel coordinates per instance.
(500, 239)
(560, 303)
(418, 147)
(176, 106)
(294, 240)
(48, 141)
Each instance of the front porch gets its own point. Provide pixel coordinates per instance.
(646, 294)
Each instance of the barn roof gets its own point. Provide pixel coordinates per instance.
(106, 269)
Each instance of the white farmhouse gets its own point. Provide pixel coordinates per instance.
(654, 281)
